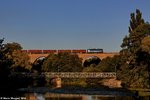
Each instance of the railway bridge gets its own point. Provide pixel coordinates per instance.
(84, 56)
(81, 74)
(69, 74)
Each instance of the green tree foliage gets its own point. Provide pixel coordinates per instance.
(145, 44)
(133, 63)
(135, 68)
(1, 50)
(10, 47)
(135, 20)
(91, 81)
(91, 68)
(63, 62)
(20, 61)
(1, 43)
(1, 47)
(4, 71)
(90, 61)
(128, 45)
(109, 64)
(13, 58)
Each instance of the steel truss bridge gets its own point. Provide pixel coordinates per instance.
(69, 74)
(81, 74)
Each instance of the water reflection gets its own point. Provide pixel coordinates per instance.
(34, 96)
(52, 96)
(73, 93)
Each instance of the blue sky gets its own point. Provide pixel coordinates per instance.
(68, 24)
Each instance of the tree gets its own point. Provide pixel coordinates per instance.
(92, 60)
(63, 62)
(135, 20)
(20, 61)
(109, 64)
(145, 44)
(128, 41)
(1, 43)
(3, 70)
(13, 58)
(91, 68)
(10, 47)
(1, 50)
(1, 47)
(135, 71)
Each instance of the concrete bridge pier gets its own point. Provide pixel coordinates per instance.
(56, 82)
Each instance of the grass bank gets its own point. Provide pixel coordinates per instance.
(141, 92)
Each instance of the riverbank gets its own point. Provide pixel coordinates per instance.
(141, 92)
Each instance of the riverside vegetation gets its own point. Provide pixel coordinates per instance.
(132, 64)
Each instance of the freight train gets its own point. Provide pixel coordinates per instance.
(69, 51)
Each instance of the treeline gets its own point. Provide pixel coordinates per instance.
(132, 64)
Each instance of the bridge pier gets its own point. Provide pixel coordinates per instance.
(112, 83)
(56, 82)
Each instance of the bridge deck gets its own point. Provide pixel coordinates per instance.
(81, 74)
(69, 74)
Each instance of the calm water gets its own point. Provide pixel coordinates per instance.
(51, 96)
(71, 93)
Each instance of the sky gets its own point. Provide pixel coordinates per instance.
(68, 24)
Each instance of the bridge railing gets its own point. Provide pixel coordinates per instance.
(80, 74)
(68, 74)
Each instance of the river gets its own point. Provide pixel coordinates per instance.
(71, 93)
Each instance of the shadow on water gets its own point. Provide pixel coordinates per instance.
(72, 93)
(8, 92)
(80, 90)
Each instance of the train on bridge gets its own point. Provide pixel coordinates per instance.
(68, 51)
